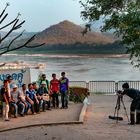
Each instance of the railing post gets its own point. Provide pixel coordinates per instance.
(116, 86)
(87, 85)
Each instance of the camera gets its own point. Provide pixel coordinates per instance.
(119, 92)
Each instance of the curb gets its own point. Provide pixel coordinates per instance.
(83, 113)
(43, 124)
(80, 121)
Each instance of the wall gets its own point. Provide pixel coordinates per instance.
(19, 76)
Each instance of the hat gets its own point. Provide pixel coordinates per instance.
(14, 86)
(43, 83)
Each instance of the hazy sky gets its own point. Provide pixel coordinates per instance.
(40, 14)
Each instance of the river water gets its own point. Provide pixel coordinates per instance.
(82, 68)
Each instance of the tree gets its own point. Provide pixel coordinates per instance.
(123, 16)
(14, 25)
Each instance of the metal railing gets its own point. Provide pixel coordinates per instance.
(132, 84)
(78, 83)
(102, 86)
(107, 87)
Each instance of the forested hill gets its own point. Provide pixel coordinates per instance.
(68, 33)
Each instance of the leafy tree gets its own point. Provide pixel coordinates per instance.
(123, 16)
(12, 26)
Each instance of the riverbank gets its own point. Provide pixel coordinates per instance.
(73, 55)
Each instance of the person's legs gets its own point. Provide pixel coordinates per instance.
(57, 100)
(132, 112)
(15, 109)
(138, 113)
(53, 99)
(27, 107)
(22, 107)
(62, 99)
(32, 109)
(43, 105)
(5, 111)
(66, 99)
(48, 104)
(37, 107)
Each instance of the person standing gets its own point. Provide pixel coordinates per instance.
(9, 79)
(54, 89)
(135, 105)
(5, 100)
(64, 87)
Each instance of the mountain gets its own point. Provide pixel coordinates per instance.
(68, 33)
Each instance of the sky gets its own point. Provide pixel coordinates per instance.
(40, 14)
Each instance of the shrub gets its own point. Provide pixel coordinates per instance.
(78, 94)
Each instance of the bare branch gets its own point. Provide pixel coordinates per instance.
(14, 40)
(22, 46)
(19, 25)
(7, 4)
(6, 35)
(15, 24)
(4, 18)
(15, 27)
(8, 24)
(35, 46)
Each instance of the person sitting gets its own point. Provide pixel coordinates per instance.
(35, 87)
(16, 102)
(43, 79)
(32, 99)
(43, 96)
(23, 99)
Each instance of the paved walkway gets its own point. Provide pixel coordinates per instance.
(97, 126)
(54, 116)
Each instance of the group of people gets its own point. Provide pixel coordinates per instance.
(41, 95)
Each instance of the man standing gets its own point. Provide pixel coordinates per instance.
(5, 100)
(9, 79)
(54, 87)
(64, 87)
(135, 105)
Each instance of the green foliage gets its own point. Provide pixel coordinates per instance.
(123, 16)
(79, 48)
(78, 94)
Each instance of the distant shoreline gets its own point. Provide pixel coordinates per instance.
(73, 55)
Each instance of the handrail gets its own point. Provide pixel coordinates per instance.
(105, 86)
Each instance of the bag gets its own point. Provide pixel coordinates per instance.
(46, 97)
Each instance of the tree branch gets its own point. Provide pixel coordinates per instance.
(22, 46)
(4, 18)
(7, 4)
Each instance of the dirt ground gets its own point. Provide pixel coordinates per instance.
(97, 126)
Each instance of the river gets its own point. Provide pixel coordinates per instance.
(82, 68)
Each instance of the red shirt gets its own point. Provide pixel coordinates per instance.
(55, 85)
